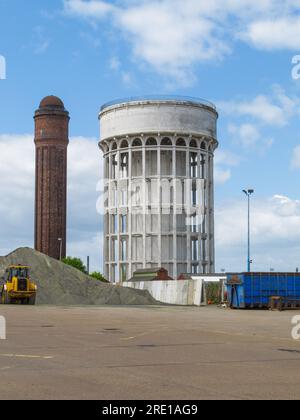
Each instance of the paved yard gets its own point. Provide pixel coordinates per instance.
(148, 353)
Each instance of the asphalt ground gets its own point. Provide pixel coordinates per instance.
(164, 353)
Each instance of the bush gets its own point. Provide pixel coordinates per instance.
(99, 276)
(213, 292)
(76, 263)
(79, 265)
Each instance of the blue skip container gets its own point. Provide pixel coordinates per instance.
(258, 290)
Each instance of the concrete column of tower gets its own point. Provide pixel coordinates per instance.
(51, 141)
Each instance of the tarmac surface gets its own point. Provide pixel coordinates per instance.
(148, 353)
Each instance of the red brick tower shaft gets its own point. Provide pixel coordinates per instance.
(51, 140)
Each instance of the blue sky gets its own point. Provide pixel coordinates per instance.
(235, 53)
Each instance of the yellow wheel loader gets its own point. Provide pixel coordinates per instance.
(17, 287)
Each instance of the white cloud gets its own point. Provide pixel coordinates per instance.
(167, 36)
(275, 34)
(275, 234)
(172, 36)
(16, 151)
(286, 207)
(222, 175)
(40, 49)
(295, 164)
(95, 9)
(41, 41)
(252, 116)
(16, 188)
(275, 109)
(114, 63)
(262, 109)
(224, 161)
(17, 195)
(226, 157)
(127, 78)
(248, 136)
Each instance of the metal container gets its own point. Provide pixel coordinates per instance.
(257, 290)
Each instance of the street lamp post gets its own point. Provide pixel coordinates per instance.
(249, 261)
(88, 265)
(60, 248)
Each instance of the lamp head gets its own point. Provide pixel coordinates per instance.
(248, 192)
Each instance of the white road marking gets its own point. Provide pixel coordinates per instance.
(25, 356)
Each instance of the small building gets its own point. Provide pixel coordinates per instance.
(151, 274)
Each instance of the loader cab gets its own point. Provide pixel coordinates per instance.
(17, 272)
(21, 272)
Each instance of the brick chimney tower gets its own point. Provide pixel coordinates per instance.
(51, 140)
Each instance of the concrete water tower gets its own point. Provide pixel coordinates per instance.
(159, 185)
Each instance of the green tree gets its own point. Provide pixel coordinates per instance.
(76, 263)
(99, 276)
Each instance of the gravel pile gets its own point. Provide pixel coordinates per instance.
(59, 284)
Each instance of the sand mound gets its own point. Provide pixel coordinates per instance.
(59, 284)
